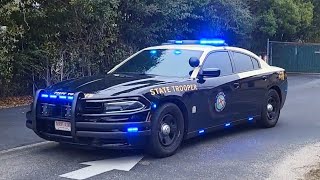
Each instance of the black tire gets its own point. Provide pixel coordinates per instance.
(270, 116)
(159, 144)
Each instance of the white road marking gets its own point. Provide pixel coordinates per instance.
(102, 166)
(25, 147)
(297, 164)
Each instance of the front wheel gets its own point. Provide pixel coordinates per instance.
(270, 109)
(167, 129)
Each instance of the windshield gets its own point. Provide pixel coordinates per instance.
(162, 62)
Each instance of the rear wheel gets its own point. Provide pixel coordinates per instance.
(270, 110)
(166, 130)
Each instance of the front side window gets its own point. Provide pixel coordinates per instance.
(242, 62)
(162, 62)
(220, 60)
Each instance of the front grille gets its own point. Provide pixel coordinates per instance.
(55, 109)
(93, 108)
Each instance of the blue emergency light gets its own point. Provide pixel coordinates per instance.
(177, 52)
(153, 52)
(213, 42)
(227, 125)
(153, 105)
(44, 95)
(62, 97)
(52, 96)
(201, 131)
(132, 129)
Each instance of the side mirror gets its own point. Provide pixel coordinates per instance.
(194, 62)
(210, 72)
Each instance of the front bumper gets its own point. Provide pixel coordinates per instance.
(95, 131)
(284, 91)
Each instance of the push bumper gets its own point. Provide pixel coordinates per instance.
(91, 133)
(96, 135)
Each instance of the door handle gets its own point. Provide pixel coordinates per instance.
(236, 85)
(264, 78)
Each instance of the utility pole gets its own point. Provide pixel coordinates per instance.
(268, 48)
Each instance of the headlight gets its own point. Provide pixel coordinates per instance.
(123, 106)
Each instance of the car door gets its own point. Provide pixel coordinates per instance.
(216, 94)
(261, 82)
(249, 90)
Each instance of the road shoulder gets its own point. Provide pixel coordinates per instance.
(301, 164)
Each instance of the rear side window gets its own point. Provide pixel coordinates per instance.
(242, 62)
(220, 60)
(255, 64)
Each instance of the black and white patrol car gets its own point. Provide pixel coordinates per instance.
(160, 96)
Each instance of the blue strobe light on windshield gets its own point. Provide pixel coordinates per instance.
(153, 52)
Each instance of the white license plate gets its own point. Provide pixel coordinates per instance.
(62, 126)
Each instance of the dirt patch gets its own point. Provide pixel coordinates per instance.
(296, 164)
(15, 101)
(313, 174)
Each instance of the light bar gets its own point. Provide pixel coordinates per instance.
(213, 42)
(52, 96)
(132, 129)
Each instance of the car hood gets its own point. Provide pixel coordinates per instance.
(113, 84)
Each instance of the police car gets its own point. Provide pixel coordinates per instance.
(160, 96)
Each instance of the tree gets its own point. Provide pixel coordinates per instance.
(228, 19)
(50, 41)
(314, 31)
(282, 20)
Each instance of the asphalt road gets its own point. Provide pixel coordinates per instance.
(13, 132)
(244, 152)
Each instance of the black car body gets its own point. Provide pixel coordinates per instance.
(115, 110)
